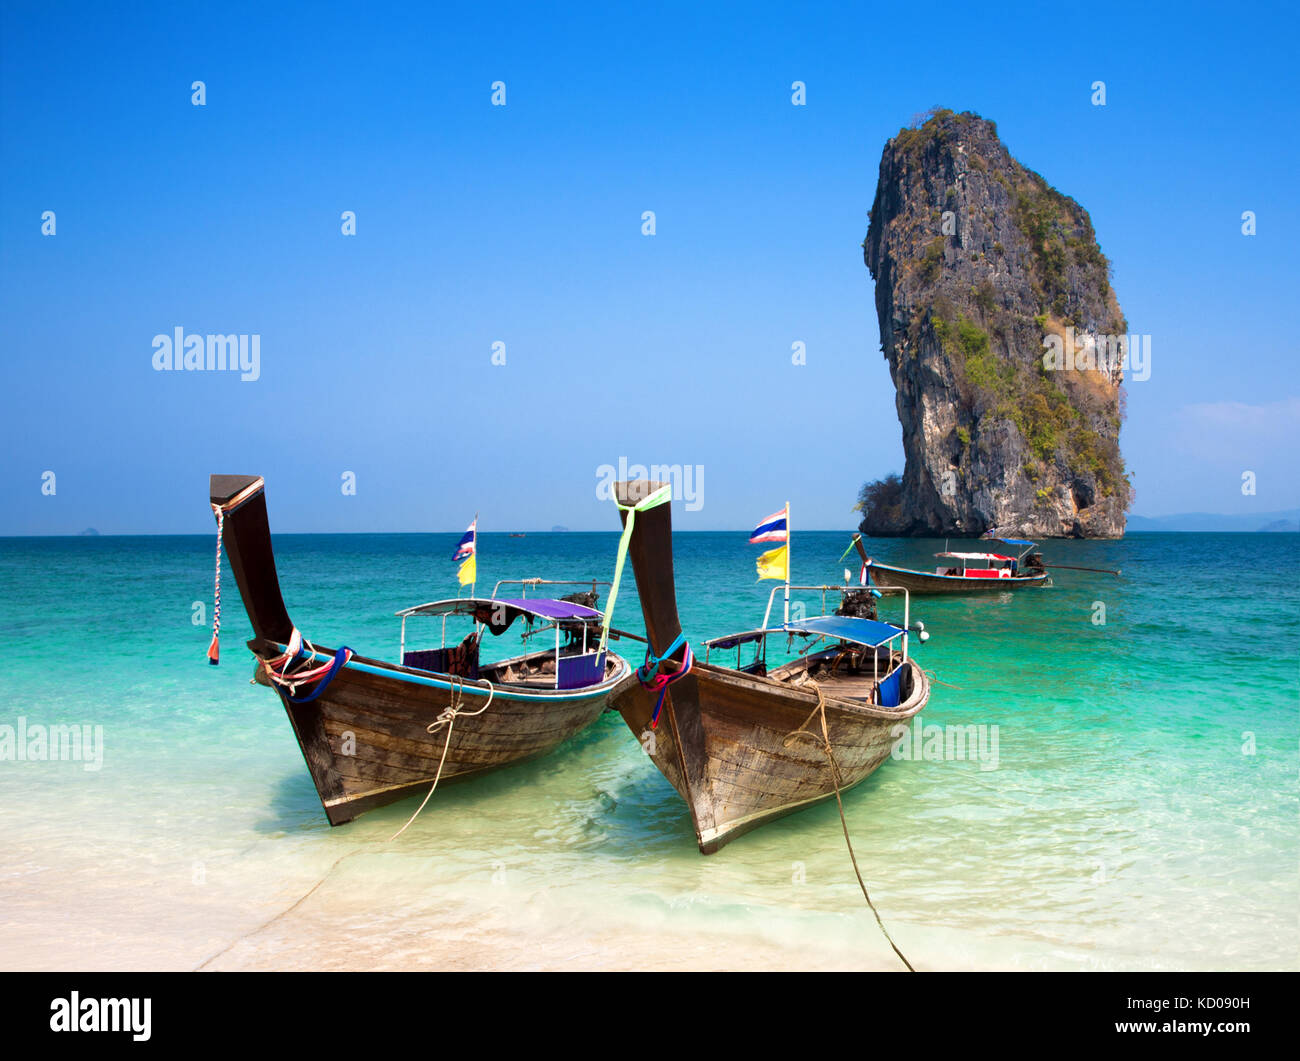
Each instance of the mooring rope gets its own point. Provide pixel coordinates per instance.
(447, 718)
(935, 681)
(835, 779)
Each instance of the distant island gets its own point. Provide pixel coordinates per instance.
(557, 527)
(89, 532)
(1264, 522)
(982, 269)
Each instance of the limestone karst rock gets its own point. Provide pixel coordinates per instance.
(977, 262)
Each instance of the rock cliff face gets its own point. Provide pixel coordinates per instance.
(978, 262)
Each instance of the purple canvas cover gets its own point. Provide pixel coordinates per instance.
(549, 609)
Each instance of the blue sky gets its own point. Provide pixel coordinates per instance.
(522, 224)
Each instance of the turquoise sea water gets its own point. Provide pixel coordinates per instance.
(1144, 811)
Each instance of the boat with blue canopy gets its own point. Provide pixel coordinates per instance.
(744, 743)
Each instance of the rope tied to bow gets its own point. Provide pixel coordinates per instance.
(820, 709)
(446, 717)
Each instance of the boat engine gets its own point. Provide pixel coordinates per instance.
(858, 603)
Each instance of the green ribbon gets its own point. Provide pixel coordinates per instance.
(661, 496)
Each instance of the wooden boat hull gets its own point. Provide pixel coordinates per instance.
(721, 739)
(751, 773)
(920, 582)
(365, 738)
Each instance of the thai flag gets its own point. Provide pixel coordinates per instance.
(772, 529)
(465, 547)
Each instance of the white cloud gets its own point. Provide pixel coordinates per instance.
(1269, 421)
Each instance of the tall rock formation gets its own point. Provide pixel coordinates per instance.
(977, 263)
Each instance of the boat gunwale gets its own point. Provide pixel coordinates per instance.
(435, 679)
(768, 685)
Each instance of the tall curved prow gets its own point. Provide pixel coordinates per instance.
(651, 551)
(246, 538)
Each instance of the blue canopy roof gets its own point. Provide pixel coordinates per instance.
(867, 632)
(1015, 541)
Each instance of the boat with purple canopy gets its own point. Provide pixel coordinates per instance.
(373, 732)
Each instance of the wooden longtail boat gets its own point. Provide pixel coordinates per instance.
(996, 572)
(725, 737)
(373, 732)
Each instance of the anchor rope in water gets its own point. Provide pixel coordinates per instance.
(935, 681)
(835, 779)
(447, 717)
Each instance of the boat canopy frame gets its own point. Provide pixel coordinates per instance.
(560, 615)
(869, 633)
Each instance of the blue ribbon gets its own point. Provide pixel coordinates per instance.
(646, 675)
(340, 658)
(646, 671)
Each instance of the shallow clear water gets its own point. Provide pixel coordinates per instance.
(1144, 811)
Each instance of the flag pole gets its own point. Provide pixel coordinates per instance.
(475, 555)
(788, 544)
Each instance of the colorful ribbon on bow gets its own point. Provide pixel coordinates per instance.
(646, 675)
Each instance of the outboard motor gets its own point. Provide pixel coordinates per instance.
(858, 603)
(574, 631)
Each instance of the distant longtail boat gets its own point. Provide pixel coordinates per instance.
(970, 573)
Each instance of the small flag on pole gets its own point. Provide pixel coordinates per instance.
(465, 547)
(775, 563)
(467, 573)
(773, 529)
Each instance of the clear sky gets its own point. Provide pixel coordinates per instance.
(522, 224)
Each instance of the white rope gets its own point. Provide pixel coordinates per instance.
(446, 718)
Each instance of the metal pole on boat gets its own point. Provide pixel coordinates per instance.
(907, 620)
(475, 544)
(788, 544)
